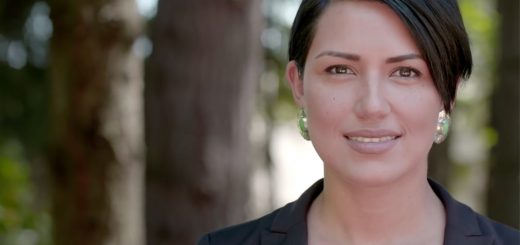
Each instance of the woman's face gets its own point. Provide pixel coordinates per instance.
(370, 100)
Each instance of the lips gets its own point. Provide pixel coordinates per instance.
(372, 141)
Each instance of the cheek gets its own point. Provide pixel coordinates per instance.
(326, 107)
(420, 109)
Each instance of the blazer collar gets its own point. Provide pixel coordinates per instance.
(462, 225)
(290, 224)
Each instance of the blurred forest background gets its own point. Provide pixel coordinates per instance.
(145, 122)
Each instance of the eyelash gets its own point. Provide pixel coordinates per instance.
(334, 70)
(413, 72)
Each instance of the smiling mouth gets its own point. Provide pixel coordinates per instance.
(372, 139)
(370, 142)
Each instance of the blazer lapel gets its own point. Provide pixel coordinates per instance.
(290, 224)
(269, 237)
(295, 236)
(468, 240)
(462, 225)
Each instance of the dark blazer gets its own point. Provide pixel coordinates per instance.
(288, 225)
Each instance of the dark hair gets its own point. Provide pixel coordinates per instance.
(436, 26)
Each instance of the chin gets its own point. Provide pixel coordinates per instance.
(373, 174)
(373, 180)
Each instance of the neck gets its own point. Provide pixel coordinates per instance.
(401, 212)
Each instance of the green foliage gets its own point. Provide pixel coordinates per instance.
(481, 20)
(20, 221)
(278, 102)
(24, 33)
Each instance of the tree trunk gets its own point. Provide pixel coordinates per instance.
(198, 104)
(96, 143)
(503, 192)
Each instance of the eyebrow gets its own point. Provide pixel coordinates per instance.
(403, 58)
(355, 57)
(346, 56)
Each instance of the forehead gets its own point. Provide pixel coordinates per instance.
(360, 26)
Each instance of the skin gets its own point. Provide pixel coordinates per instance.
(372, 109)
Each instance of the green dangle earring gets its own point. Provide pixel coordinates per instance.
(302, 124)
(443, 127)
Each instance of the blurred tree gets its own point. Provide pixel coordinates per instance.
(468, 146)
(503, 202)
(198, 103)
(25, 29)
(24, 32)
(13, 15)
(96, 143)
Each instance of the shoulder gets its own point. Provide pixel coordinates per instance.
(465, 226)
(284, 225)
(245, 233)
(502, 234)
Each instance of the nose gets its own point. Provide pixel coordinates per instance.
(371, 103)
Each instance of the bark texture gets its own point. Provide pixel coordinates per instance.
(198, 103)
(503, 202)
(96, 146)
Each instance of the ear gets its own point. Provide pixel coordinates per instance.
(295, 81)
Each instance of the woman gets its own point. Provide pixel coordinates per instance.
(376, 81)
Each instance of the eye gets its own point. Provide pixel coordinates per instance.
(406, 72)
(339, 69)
